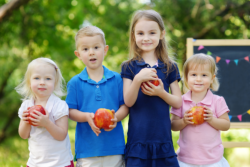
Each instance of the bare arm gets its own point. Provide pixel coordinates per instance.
(122, 112)
(131, 88)
(58, 131)
(173, 99)
(79, 116)
(178, 123)
(24, 126)
(222, 123)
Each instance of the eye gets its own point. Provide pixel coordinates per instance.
(152, 33)
(96, 47)
(193, 74)
(48, 78)
(85, 49)
(36, 78)
(140, 33)
(204, 75)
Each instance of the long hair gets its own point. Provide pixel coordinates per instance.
(161, 51)
(24, 88)
(196, 61)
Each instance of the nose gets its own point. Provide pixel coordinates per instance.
(42, 82)
(91, 51)
(198, 77)
(145, 38)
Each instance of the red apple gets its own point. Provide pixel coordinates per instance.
(198, 115)
(103, 118)
(32, 109)
(155, 82)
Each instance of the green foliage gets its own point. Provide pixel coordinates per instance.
(47, 28)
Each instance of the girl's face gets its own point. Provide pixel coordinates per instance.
(147, 35)
(42, 80)
(200, 79)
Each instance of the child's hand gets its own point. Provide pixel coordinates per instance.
(90, 118)
(151, 89)
(24, 116)
(111, 127)
(40, 119)
(209, 114)
(187, 117)
(146, 74)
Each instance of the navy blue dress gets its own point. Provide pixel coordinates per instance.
(149, 142)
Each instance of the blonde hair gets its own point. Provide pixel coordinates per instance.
(195, 61)
(24, 88)
(161, 50)
(89, 31)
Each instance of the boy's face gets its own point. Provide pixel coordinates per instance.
(91, 51)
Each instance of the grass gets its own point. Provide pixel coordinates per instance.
(14, 151)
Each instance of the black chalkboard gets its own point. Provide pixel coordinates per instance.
(234, 78)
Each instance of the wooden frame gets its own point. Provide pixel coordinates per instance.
(222, 42)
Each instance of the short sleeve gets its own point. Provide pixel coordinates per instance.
(120, 87)
(21, 109)
(221, 107)
(127, 71)
(174, 74)
(71, 98)
(61, 110)
(176, 111)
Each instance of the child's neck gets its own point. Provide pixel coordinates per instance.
(198, 96)
(150, 58)
(41, 101)
(96, 75)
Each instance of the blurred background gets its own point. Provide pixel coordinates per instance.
(46, 28)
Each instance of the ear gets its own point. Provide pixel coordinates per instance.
(213, 78)
(163, 33)
(106, 48)
(77, 54)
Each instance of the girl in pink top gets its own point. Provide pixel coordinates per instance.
(201, 145)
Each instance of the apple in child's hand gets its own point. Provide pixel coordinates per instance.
(32, 109)
(198, 115)
(103, 118)
(155, 82)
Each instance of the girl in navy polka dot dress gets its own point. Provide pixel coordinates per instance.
(149, 142)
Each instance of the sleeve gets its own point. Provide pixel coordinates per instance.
(221, 107)
(71, 98)
(22, 108)
(174, 74)
(120, 91)
(176, 111)
(61, 110)
(127, 71)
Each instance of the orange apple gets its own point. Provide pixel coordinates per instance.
(103, 118)
(32, 109)
(198, 115)
(155, 82)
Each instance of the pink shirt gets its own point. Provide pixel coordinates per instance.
(200, 144)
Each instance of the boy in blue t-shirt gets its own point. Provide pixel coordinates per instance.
(96, 87)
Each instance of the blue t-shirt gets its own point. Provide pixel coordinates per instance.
(85, 95)
(149, 129)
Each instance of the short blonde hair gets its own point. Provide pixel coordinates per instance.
(196, 61)
(24, 88)
(89, 31)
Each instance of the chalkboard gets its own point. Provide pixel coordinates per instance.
(232, 57)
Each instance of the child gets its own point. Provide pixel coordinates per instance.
(149, 141)
(200, 145)
(96, 87)
(49, 143)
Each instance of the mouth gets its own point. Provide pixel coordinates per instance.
(198, 84)
(93, 60)
(146, 44)
(42, 89)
